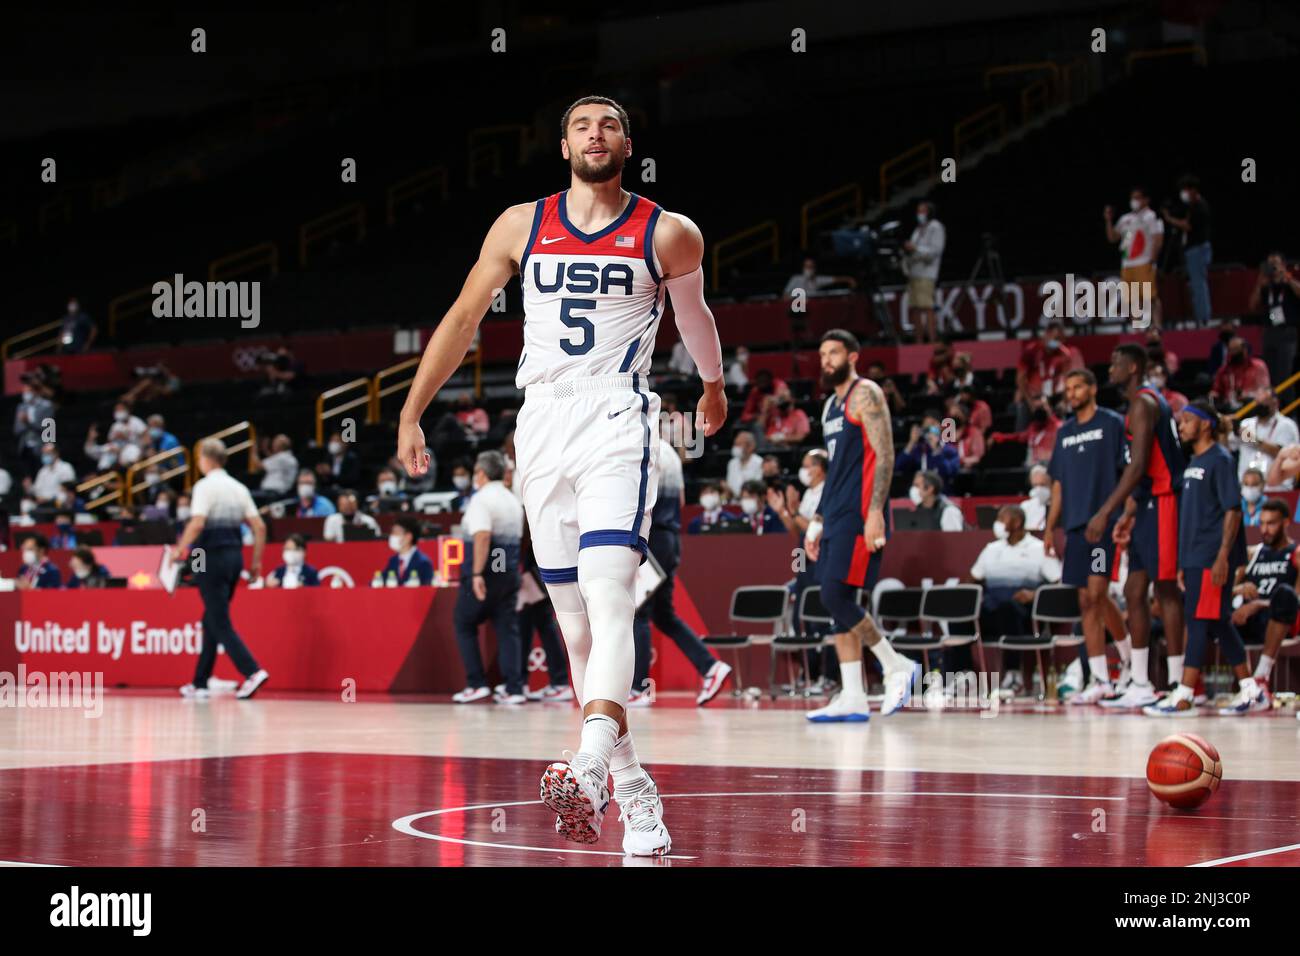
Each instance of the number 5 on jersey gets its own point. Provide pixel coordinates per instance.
(583, 324)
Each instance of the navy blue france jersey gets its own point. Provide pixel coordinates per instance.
(1210, 491)
(1270, 567)
(1087, 460)
(1166, 461)
(851, 471)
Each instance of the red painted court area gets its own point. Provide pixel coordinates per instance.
(323, 809)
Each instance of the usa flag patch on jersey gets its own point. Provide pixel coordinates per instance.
(626, 242)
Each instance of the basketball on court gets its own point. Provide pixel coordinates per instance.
(1184, 771)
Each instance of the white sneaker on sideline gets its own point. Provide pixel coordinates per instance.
(842, 709)
(644, 833)
(640, 698)
(551, 693)
(510, 700)
(249, 687)
(1137, 695)
(713, 681)
(470, 694)
(1174, 704)
(219, 685)
(579, 800)
(1250, 699)
(898, 687)
(1093, 693)
(190, 692)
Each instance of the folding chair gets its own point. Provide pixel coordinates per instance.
(811, 611)
(1053, 604)
(956, 604)
(756, 604)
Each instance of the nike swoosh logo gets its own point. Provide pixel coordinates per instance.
(617, 413)
(547, 242)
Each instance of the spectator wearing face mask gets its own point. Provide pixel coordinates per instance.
(388, 496)
(1043, 363)
(981, 416)
(1011, 567)
(713, 513)
(810, 283)
(160, 439)
(293, 571)
(342, 467)
(970, 440)
(738, 369)
(31, 416)
(1277, 296)
(1262, 438)
(1140, 234)
(38, 570)
(1252, 497)
(924, 254)
(1039, 436)
(461, 478)
(1034, 508)
(408, 563)
(54, 473)
(310, 504)
(744, 465)
(765, 386)
(1239, 376)
(183, 507)
(754, 510)
(1197, 251)
(1158, 354)
(783, 423)
(154, 485)
(939, 374)
(348, 515)
(937, 513)
(78, 330)
(1158, 377)
(927, 451)
(84, 571)
(278, 469)
(65, 535)
(160, 509)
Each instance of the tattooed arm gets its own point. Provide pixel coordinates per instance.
(867, 405)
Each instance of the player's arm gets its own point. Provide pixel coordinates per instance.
(867, 405)
(1141, 418)
(455, 333)
(680, 248)
(1053, 516)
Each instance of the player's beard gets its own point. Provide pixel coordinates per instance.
(596, 174)
(837, 377)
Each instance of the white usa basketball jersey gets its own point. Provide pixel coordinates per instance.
(592, 301)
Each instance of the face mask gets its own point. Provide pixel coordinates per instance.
(1052, 344)
(47, 459)
(709, 500)
(151, 478)
(155, 434)
(1250, 494)
(292, 558)
(81, 573)
(1134, 205)
(387, 488)
(27, 506)
(999, 531)
(1184, 195)
(306, 492)
(460, 481)
(1041, 493)
(120, 415)
(1157, 383)
(922, 218)
(749, 506)
(809, 273)
(915, 494)
(933, 430)
(395, 542)
(28, 395)
(182, 513)
(736, 451)
(29, 557)
(162, 504)
(336, 447)
(805, 476)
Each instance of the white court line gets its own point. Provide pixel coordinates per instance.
(406, 824)
(16, 863)
(1248, 856)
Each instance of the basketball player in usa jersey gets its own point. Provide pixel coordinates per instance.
(594, 263)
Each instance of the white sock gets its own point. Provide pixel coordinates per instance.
(625, 768)
(1125, 648)
(851, 678)
(599, 735)
(1098, 667)
(1138, 669)
(889, 658)
(1265, 666)
(1175, 668)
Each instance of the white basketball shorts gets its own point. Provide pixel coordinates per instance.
(587, 467)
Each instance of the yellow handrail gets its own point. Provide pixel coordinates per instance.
(6, 347)
(181, 468)
(364, 400)
(993, 116)
(852, 202)
(348, 217)
(249, 443)
(426, 180)
(1037, 66)
(492, 152)
(1197, 52)
(379, 391)
(1277, 390)
(128, 305)
(769, 236)
(263, 256)
(97, 480)
(1038, 90)
(1078, 65)
(920, 158)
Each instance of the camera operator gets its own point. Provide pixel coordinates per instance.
(153, 382)
(1277, 295)
(924, 252)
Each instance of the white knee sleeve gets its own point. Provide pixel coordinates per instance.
(606, 577)
(571, 615)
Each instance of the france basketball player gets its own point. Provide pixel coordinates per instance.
(594, 263)
(847, 536)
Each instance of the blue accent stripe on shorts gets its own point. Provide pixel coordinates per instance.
(559, 575)
(645, 460)
(596, 539)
